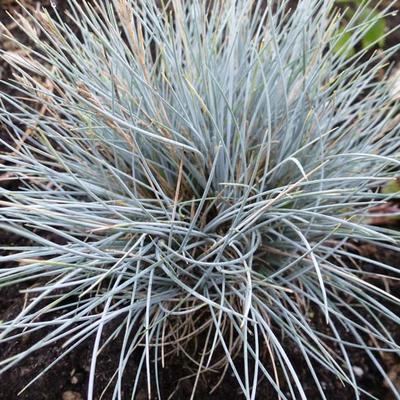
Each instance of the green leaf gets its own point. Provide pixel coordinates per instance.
(392, 187)
(376, 32)
(342, 46)
(372, 19)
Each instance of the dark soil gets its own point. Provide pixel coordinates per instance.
(67, 380)
(70, 375)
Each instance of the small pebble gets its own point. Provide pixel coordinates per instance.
(359, 372)
(69, 395)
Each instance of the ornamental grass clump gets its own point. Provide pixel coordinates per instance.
(201, 172)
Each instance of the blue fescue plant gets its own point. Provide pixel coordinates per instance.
(201, 169)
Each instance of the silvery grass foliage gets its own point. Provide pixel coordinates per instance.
(201, 172)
